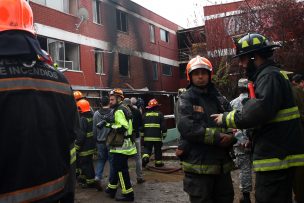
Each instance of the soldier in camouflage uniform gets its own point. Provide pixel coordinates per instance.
(241, 150)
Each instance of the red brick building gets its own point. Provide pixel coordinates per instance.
(221, 25)
(121, 44)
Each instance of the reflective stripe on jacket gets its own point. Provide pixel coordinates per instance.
(200, 135)
(85, 143)
(207, 168)
(275, 117)
(35, 193)
(39, 121)
(154, 126)
(128, 147)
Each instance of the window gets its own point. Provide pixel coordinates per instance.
(67, 6)
(155, 71)
(121, 21)
(98, 61)
(167, 70)
(43, 42)
(152, 33)
(96, 11)
(182, 71)
(164, 35)
(123, 65)
(65, 54)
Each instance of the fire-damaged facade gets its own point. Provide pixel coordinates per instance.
(109, 43)
(112, 43)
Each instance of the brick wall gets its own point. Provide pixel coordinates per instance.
(137, 39)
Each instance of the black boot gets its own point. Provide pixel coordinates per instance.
(97, 185)
(245, 198)
(145, 161)
(126, 198)
(111, 192)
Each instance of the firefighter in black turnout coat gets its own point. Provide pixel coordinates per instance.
(204, 148)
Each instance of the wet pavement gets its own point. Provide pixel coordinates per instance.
(158, 188)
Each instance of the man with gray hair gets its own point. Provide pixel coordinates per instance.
(133, 101)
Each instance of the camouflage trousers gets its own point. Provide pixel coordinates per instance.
(244, 163)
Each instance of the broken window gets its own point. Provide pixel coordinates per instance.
(123, 65)
(167, 70)
(121, 21)
(164, 35)
(98, 61)
(96, 11)
(152, 33)
(65, 54)
(155, 70)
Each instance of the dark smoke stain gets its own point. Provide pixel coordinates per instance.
(134, 27)
(111, 36)
(134, 22)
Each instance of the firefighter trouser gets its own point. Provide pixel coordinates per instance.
(86, 167)
(209, 188)
(69, 188)
(148, 147)
(274, 186)
(298, 184)
(121, 174)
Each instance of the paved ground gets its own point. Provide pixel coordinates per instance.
(158, 188)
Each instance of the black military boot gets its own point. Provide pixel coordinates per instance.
(126, 198)
(245, 198)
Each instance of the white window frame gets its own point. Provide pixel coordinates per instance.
(63, 7)
(120, 20)
(64, 62)
(166, 35)
(99, 53)
(96, 14)
(152, 33)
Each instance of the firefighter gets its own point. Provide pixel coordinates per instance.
(242, 150)
(78, 95)
(85, 147)
(278, 146)
(204, 148)
(122, 127)
(39, 119)
(154, 131)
